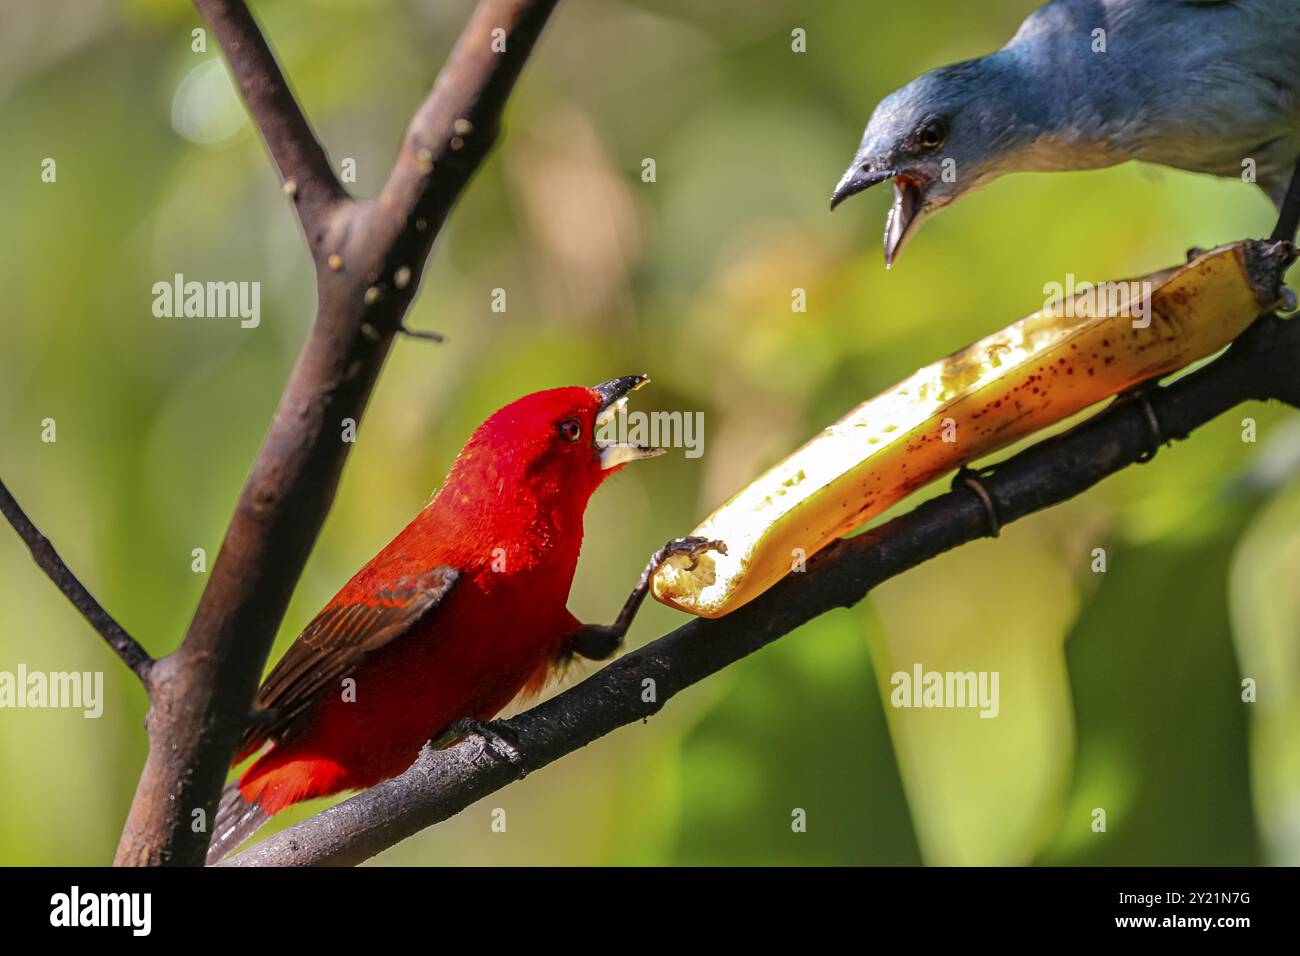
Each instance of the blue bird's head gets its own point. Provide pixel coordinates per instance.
(939, 137)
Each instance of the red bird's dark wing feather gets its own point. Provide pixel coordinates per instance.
(334, 645)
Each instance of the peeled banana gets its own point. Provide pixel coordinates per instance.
(1046, 367)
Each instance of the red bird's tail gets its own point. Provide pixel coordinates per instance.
(236, 821)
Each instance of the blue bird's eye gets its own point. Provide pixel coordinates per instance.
(932, 134)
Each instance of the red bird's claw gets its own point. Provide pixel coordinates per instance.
(492, 735)
(692, 547)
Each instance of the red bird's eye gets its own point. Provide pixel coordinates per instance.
(571, 429)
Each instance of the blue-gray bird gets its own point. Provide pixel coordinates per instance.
(1211, 86)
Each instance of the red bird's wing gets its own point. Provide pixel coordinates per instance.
(334, 645)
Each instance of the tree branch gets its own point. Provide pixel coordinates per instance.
(303, 165)
(47, 559)
(368, 259)
(1261, 365)
(451, 133)
(1288, 219)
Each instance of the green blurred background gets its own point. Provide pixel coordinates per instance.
(1120, 690)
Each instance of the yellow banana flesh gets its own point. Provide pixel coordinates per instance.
(1030, 375)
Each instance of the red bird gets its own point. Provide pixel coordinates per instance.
(448, 623)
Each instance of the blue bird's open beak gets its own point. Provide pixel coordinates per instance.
(909, 201)
(858, 177)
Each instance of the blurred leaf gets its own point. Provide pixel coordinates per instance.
(982, 790)
(1160, 724)
(798, 730)
(1266, 626)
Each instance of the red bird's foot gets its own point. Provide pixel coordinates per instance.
(495, 735)
(598, 642)
(970, 478)
(691, 547)
(1141, 394)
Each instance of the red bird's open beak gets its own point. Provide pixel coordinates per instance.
(613, 399)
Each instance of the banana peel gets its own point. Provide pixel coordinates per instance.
(1039, 371)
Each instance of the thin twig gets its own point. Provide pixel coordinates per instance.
(1288, 219)
(304, 168)
(47, 559)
